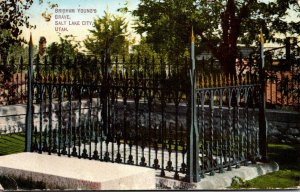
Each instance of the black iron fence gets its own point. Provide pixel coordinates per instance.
(283, 88)
(13, 99)
(283, 79)
(142, 112)
(133, 117)
(143, 117)
(13, 88)
(227, 122)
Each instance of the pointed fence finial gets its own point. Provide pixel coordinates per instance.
(262, 41)
(202, 81)
(72, 75)
(218, 80)
(193, 36)
(30, 39)
(212, 80)
(261, 37)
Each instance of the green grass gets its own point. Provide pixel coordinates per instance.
(280, 179)
(12, 143)
(15, 143)
(288, 158)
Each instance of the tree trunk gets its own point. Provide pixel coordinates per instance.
(228, 50)
(228, 63)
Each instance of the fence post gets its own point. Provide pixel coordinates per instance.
(28, 138)
(263, 144)
(193, 174)
(105, 115)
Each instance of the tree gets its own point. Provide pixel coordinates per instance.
(12, 17)
(166, 24)
(109, 35)
(145, 52)
(65, 57)
(145, 49)
(220, 24)
(15, 54)
(66, 50)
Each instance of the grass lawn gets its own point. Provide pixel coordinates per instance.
(287, 156)
(12, 143)
(288, 176)
(15, 143)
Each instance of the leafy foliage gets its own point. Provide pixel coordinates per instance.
(220, 24)
(64, 51)
(109, 35)
(167, 25)
(12, 17)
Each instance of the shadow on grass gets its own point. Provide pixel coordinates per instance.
(287, 156)
(288, 176)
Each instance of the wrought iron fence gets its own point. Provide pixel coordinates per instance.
(12, 138)
(141, 112)
(12, 128)
(283, 89)
(283, 79)
(136, 118)
(13, 90)
(142, 117)
(227, 121)
(13, 99)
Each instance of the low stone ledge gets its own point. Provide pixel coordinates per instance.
(72, 173)
(219, 180)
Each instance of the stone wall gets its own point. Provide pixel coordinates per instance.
(283, 126)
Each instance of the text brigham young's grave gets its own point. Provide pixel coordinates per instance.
(63, 18)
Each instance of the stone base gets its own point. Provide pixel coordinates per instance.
(220, 180)
(72, 173)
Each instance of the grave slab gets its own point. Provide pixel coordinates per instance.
(73, 173)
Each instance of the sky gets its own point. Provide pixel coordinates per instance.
(68, 26)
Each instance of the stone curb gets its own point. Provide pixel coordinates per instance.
(219, 180)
